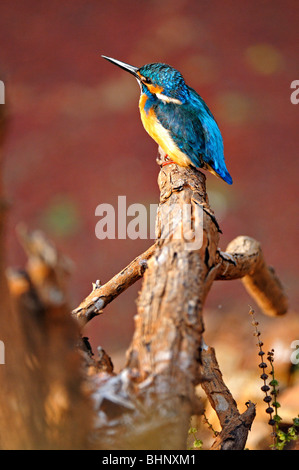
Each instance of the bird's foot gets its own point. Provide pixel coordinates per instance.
(167, 163)
(163, 158)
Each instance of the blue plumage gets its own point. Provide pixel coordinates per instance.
(176, 116)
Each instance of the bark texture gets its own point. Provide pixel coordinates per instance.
(163, 359)
(235, 426)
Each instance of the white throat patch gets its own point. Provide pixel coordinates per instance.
(167, 99)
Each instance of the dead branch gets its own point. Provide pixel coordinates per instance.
(162, 368)
(155, 391)
(244, 259)
(102, 295)
(235, 426)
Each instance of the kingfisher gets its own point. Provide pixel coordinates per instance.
(178, 119)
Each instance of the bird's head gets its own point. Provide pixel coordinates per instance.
(160, 80)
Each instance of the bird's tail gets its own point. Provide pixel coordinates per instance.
(222, 173)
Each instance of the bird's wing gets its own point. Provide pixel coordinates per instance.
(185, 128)
(196, 133)
(214, 153)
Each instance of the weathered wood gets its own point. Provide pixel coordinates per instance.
(165, 351)
(244, 259)
(235, 426)
(164, 361)
(156, 390)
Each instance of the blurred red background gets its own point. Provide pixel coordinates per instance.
(75, 139)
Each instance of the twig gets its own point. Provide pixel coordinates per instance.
(235, 426)
(102, 295)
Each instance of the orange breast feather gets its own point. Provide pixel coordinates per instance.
(160, 134)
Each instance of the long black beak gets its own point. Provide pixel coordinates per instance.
(129, 68)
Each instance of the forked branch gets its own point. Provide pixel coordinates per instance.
(243, 259)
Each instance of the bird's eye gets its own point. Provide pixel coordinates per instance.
(147, 80)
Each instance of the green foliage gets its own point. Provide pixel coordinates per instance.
(197, 443)
(284, 437)
(280, 438)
